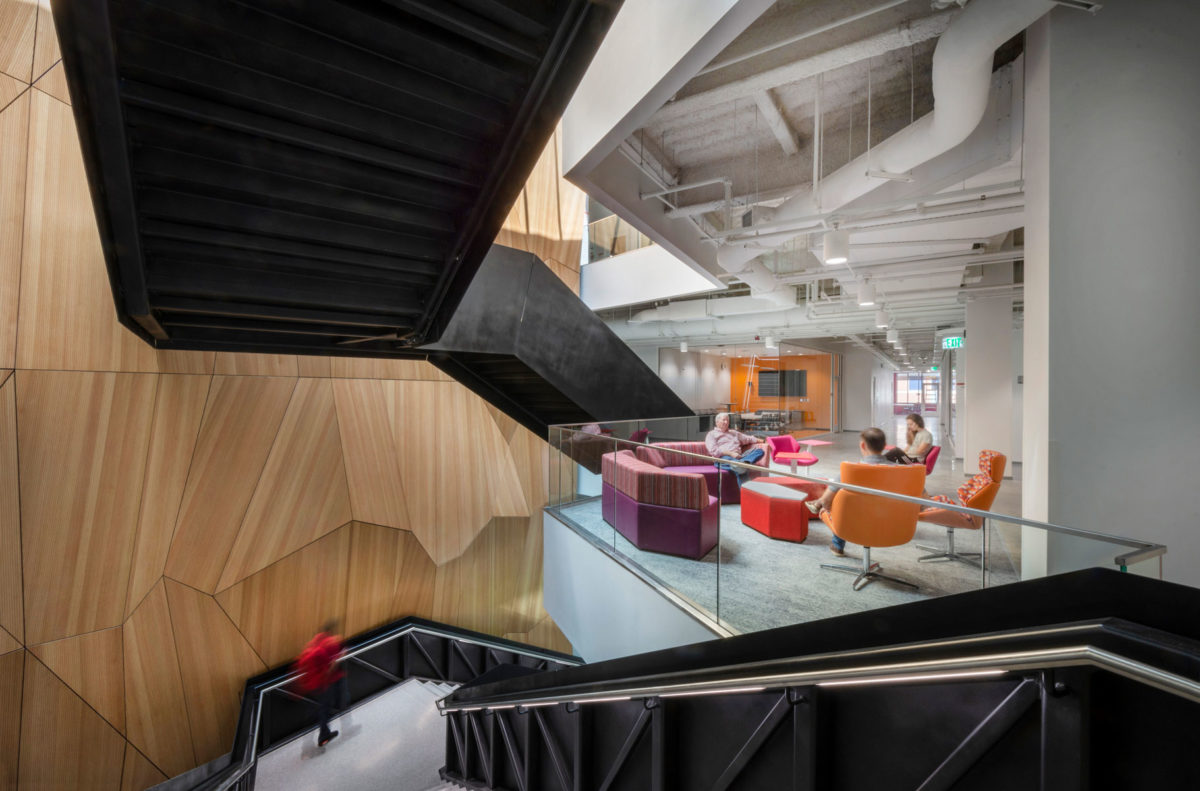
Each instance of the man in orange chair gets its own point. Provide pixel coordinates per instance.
(871, 444)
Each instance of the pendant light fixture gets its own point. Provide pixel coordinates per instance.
(866, 295)
(837, 246)
(881, 320)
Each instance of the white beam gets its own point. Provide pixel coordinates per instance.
(779, 125)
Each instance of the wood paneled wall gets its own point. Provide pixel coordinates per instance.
(172, 523)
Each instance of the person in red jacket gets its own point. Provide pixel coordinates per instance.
(322, 677)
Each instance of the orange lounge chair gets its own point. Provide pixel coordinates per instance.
(873, 521)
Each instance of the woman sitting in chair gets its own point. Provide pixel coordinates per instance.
(919, 441)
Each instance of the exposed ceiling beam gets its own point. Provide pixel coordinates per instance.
(901, 36)
(778, 124)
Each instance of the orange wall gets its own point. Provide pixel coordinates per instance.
(818, 367)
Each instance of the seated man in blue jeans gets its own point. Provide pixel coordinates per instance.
(871, 444)
(725, 443)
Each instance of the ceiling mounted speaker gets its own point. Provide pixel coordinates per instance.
(866, 295)
(837, 247)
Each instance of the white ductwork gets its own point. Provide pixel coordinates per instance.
(702, 309)
(962, 70)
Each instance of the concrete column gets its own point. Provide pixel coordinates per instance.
(988, 373)
(1122, 282)
(1035, 428)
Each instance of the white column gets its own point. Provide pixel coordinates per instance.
(988, 373)
(1035, 428)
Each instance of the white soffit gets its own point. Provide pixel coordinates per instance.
(643, 275)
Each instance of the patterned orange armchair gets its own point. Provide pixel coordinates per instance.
(978, 493)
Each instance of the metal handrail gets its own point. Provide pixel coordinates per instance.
(868, 669)
(250, 758)
(1142, 550)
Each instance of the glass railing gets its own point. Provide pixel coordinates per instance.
(739, 547)
(611, 236)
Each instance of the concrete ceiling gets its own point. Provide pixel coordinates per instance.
(748, 118)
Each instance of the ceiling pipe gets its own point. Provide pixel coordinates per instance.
(962, 73)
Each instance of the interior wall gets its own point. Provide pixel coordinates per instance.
(860, 366)
(1122, 142)
(701, 380)
(817, 401)
(174, 522)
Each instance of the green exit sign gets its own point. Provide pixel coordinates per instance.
(952, 343)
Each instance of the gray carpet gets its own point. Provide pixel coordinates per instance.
(749, 582)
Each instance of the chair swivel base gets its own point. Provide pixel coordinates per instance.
(868, 573)
(950, 553)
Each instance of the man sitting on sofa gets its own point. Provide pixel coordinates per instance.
(725, 443)
(871, 444)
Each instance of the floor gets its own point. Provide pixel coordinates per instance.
(751, 582)
(367, 755)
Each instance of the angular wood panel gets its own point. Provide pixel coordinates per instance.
(369, 451)
(242, 364)
(241, 420)
(516, 225)
(172, 361)
(54, 83)
(215, 661)
(93, 666)
(10, 88)
(495, 586)
(467, 479)
(12, 671)
(14, 125)
(311, 366)
(505, 424)
(390, 577)
(281, 607)
(531, 460)
(90, 430)
(8, 642)
(156, 719)
(64, 744)
(46, 52)
(18, 23)
(379, 368)
(545, 634)
(178, 409)
(302, 493)
(12, 617)
(139, 773)
(64, 283)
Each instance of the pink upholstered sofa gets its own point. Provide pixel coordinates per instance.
(721, 483)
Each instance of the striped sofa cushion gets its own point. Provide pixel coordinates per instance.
(659, 454)
(646, 483)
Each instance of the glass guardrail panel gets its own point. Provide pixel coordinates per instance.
(612, 236)
(770, 562)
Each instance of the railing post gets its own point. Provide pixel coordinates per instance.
(1066, 752)
(581, 744)
(659, 749)
(804, 738)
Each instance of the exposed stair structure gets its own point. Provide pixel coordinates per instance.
(391, 735)
(1084, 680)
(324, 178)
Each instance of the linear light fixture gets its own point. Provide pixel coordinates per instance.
(903, 679)
(711, 692)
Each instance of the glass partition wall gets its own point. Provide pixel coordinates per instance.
(738, 546)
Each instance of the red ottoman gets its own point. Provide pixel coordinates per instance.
(775, 507)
